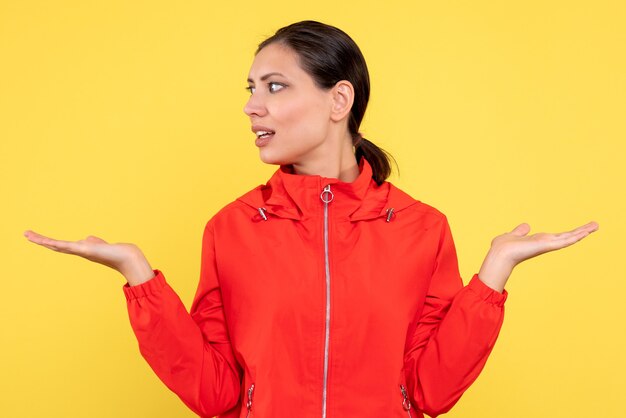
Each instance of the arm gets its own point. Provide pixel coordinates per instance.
(191, 353)
(454, 335)
(459, 325)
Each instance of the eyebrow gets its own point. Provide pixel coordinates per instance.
(266, 76)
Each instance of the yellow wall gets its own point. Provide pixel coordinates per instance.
(123, 119)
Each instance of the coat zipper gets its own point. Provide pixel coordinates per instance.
(249, 403)
(327, 197)
(406, 404)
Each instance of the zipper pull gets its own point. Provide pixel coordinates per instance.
(406, 404)
(249, 403)
(327, 196)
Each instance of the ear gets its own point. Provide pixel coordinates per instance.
(342, 100)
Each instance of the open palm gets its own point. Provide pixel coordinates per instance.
(511, 248)
(517, 246)
(126, 258)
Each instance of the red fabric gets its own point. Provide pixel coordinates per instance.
(399, 313)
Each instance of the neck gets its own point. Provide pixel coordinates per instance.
(333, 162)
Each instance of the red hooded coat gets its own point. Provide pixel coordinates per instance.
(321, 299)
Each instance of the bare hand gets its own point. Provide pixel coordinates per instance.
(511, 248)
(123, 257)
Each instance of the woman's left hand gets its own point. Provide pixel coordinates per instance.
(511, 248)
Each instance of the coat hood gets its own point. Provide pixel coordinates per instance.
(297, 196)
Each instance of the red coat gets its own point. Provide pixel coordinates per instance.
(350, 308)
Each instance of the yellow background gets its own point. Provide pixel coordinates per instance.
(123, 119)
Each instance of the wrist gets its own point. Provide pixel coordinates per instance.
(495, 271)
(137, 270)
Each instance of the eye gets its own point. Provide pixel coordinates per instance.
(274, 87)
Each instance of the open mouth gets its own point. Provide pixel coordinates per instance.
(264, 134)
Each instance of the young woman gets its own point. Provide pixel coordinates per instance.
(327, 292)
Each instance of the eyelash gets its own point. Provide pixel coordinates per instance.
(249, 88)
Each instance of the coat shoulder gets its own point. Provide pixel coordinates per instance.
(417, 206)
(242, 206)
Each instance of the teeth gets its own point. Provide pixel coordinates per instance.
(262, 133)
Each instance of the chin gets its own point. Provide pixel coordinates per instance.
(271, 158)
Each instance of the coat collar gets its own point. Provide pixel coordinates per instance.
(297, 196)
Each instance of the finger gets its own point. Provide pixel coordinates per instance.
(589, 227)
(53, 244)
(37, 238)
(593, 226)
(62, 246)
(574, 239)
(521, 229)
(565, 240)
(34, 236)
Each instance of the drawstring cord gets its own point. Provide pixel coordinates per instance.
(389, 214)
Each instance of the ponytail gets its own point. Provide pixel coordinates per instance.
(378, 158)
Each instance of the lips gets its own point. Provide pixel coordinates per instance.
(262, 130)
(263, 134)
(263, 140)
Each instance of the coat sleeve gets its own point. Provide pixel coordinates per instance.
(454, 334)
(190, 352)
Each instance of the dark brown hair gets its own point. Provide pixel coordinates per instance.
(329, 55)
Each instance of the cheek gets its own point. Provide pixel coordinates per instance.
(305, 118)
(301, 125)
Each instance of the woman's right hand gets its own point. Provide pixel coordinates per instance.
(124, 257)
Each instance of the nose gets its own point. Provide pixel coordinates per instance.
(255, 106)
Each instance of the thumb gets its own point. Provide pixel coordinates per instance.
(95, 240)
(521, 229)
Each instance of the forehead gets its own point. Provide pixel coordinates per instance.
(276, 58)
